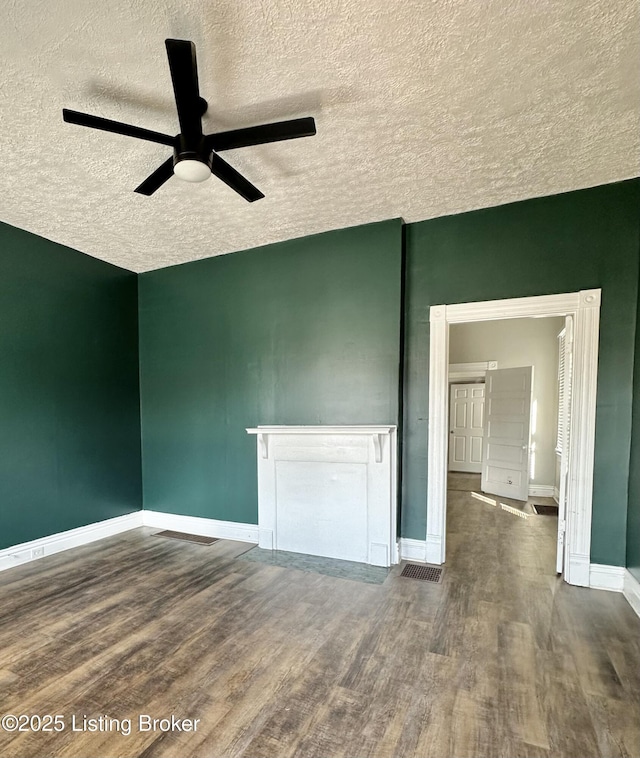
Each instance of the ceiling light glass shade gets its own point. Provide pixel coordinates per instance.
(192, 171)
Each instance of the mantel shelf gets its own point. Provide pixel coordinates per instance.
(355, 429)
(375, 431)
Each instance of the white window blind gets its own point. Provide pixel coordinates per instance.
(562, 436)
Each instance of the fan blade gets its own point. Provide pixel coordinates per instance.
(157, 179)
(117, 127)
(184, 75)
(259, 135)
(233, 179)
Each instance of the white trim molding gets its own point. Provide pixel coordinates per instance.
(413, 550)
(434, 550)
(584, 306)
(584, 382)
(308, 429)
(437, 463)
(205, 527)
(541, 490)
(376, 431)
(458, 371)
(56, 543)
(418, 550)
(83, 535)
(603, 577)
(631, 590)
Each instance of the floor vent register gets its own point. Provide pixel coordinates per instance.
(187, 537)
(424, 573)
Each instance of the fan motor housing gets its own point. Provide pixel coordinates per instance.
(185, 150)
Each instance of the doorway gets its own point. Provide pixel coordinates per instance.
(517, 460)
(584, 307)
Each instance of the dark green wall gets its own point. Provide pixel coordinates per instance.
(306, 331)
(69, 400)
(633, 512)
(302, 332)
(564, 243)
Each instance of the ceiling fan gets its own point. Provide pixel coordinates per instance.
(195, 155)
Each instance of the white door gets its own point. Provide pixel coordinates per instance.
(564, 428)
(466, 422)
(505, 459)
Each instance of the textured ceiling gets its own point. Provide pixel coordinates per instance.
(424, 108)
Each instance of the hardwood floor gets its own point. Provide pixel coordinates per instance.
(500, 659)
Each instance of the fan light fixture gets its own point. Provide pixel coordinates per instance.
(195, 155)
(192, 171)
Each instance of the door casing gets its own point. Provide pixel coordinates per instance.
(584, 306)
(564, 455)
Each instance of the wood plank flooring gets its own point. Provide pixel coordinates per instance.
(500, 659)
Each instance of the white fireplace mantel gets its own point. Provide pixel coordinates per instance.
(377, 432)
(328, 490)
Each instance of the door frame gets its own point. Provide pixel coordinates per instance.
(584, 306)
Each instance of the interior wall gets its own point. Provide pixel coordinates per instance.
(69, 394)
(513, 343)
(633, 511)
(564, 243)
(302, 332)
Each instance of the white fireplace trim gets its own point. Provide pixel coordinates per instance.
(380, 463)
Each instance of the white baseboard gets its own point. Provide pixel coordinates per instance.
(556, 494)
(541, 490)
(413, 550)
(602, 577)
(206, 527)
(56, 543)
(631, 590)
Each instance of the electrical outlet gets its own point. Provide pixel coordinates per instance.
(37, 552)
